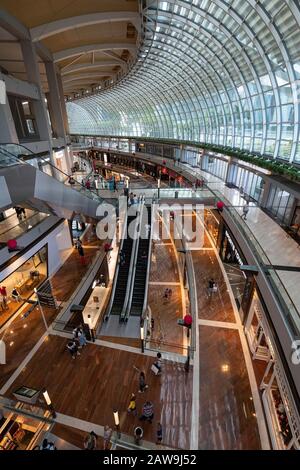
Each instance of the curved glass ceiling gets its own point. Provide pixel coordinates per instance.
(215, 71)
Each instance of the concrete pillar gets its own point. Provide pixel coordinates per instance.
(8, 133)
(228, 170)
(63, 103)
(181, 152)
(58, 123)
(55, 110)
(266, 192)
(39, 106)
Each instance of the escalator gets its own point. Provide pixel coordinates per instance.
(139, 287)
(24, 184)
(123, 273)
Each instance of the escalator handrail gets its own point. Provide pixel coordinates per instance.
(130, 286)
(132, 266)
(113, 290)
(148, 262)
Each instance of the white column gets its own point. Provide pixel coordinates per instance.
(8, 131)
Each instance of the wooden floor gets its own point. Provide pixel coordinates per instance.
(166, 333)
(218, 306)
(66, 279)
(227, 415)
(102, 379)
(74, 436)
(22, 340)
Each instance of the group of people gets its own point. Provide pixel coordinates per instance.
(78, 342)
(15, 295)
(133, 199)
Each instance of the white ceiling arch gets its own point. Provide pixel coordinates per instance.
(55, 27)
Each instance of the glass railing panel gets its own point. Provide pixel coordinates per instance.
(7, 160)
(289, 308)
(22, 227)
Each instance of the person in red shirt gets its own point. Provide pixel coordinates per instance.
(188, 320)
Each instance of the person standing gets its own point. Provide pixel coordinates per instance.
(81, 254)
(79, 336)
(142, 382)
(158, 433)
(107, 437)
(90, 442)
(77, 243)
(211, 285)
(3, 293)
(147, 412)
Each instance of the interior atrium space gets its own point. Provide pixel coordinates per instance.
(149, 228)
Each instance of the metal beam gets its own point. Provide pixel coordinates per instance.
(79, 67)
(55, 27)
(66, 53)
(43, 52)
(13, 26)
(87, 76)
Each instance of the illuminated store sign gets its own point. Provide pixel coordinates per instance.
(236, 253)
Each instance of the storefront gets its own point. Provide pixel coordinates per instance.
(280, 204)
(281, 413)
(19, 286)
(247, 181)
(215, 165)
(232, 258)
(22, 426)
(212, 224)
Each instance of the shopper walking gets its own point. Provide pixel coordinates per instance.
(245, 211)
(132, 405)
(138, 434)
(157, 363)
(158, 433)
(147, 412)
(81, 254)
(90, 442)
(73, 349)
(142, 382)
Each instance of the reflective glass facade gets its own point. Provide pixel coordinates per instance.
(215, 71)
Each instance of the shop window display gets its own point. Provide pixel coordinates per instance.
(21, 432)
(277, 398)
(211, 224)
(19, 286)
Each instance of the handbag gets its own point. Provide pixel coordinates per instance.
(154, 369)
